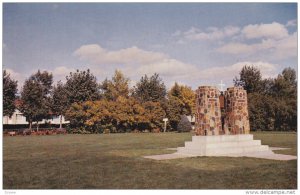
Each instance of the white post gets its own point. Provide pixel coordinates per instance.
(165, 127)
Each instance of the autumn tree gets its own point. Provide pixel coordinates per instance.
(81, 86)
(186, 96)
(116, 87)
(181, 101)
(9, 94)
(122, 115)
(150, 89)
(154, 113)
(59, 101)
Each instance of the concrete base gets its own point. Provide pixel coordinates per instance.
(223, 145)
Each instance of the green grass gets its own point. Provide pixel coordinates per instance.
(115, 162)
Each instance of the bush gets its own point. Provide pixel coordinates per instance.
(184, 124)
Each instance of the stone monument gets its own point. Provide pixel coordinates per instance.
(236, 108)
(222, 129)
(208, 113)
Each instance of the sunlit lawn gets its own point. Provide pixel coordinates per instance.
(116, 161)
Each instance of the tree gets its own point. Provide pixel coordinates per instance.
(35, 97)
(150, 89)
(154, 114)
(262, 111)
(285, 85)
(250, 79)
(45, 80)
(81, 86)
(184, 124)
(32, 101)
(285, 93)
(173, 111)
(59, 101)
(9, 94)
(181, 101)
(122, 115)
(272, 102)
(116, 87)
(186, 96)
(78, 116)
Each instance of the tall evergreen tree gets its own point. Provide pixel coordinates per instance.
(150, 89)
(9, 94)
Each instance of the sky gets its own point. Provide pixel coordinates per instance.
(189, 43)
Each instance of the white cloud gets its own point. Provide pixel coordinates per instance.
(135, 62)
(168, 67)
(172, 69)
(235, 48)
(287, 47)
(273, 30)
(211, 33)
(228, 72)
(95, 54)
(276, 49)
(291, 23)
(16, 76)
(60, 73)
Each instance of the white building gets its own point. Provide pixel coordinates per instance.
(18, 119)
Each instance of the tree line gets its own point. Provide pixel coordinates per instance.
(113, 106)
(272, 102)
(93, 107)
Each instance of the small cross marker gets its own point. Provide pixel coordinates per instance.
(221, 86)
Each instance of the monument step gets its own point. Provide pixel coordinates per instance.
(226, 144)
(222, 138)
(221, 151)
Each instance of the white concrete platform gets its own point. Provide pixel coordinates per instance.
(222, 145)
(225, 145)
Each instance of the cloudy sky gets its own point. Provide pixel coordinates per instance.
(193, 44)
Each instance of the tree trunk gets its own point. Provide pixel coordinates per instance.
(37, 125)
(60, 125)
(30, 124)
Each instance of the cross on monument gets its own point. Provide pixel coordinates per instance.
(221, 85)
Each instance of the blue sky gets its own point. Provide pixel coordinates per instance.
(191, 43)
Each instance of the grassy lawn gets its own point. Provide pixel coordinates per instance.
(115, 162)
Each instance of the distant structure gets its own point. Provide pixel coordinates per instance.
(219, 113)
(19, 119)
